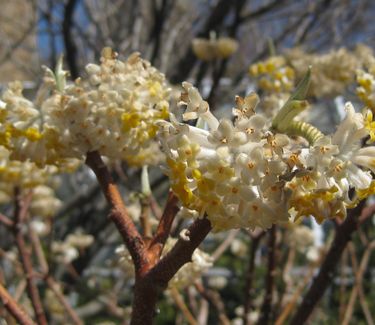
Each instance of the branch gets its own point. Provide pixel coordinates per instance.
(51, 282)
(70, 47)
(262, 10)
(118, 214)
(224, 245)
(326, 272)
(215, 301)
(20, 214)
(357, 288)
(187, 63)
(160, 16)
(182, 252)
(149, 285)
(164, 228)
(249, 290)
(13, 308)
(179, 301)
(270, 277)
(54, 286)
(6, 221)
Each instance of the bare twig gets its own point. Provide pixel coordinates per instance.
(70, 47)
(224, 245)
(297, 293)
(357, 288)
(20, 214)
(149, 286)
(51, 282)
(325, 275)
(55, 287)
(13, 308)
(249, 290)
(6, 221)
(182, 306)
(215, 301)
(270, 277)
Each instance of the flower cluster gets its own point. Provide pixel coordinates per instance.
(245, 174)
(332, 72)
(26, 176)
(68, 250)
(366, 87)
(114, 112)
(214, 48)
(275, 75)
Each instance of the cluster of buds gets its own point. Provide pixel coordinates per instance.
(214, 48)
(68, 250)
(251, 173)
(366, 87)
(332, 71)
(275, 75)
(27, 176)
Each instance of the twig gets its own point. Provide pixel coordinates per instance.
(51, 282)
(249, 290)
(70, 47)
(118, 214)
(270, 277)
(215, 301)
(149, 286)
(6, 221)
(165, 224)
(297, 293)
(357, 289)
(224, 245)
(13, 308)
(20, 214)
(54, 286)
(325, 275)
(342, 302)
(182, 306)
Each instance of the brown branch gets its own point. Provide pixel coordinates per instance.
(179, 301)
(296, 295)
(270, 278)
(156, 280)
(118, 214)
(13, 308)
(357, 288)
(20, 214)
(215, 301)
(164, 228)
(224, 245)
(6, 221)
(249, 290)
(51, 282)
(54, 286)
(326, 272)
(182, 252)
